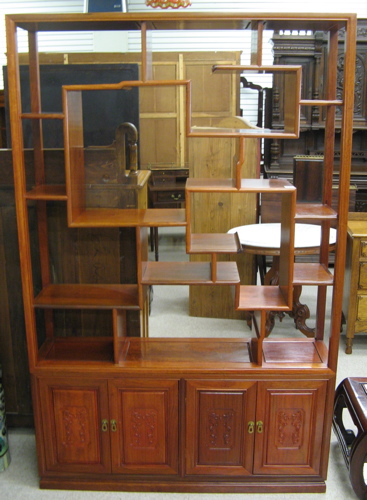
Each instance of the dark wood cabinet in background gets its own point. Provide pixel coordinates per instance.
(308, 49)
(166, 189)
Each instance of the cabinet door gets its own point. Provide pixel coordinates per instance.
(74, 417)
(144, 417)
(290, 422)
(219, 427)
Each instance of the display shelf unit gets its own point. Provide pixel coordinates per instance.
(178, 414)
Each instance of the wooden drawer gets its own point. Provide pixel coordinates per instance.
(363, 275)
(362, 308)
(171, 196)
(363, 248)
(163, 177)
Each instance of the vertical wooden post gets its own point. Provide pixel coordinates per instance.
(20, 189)
(329, 148)
(257, 28)
(39, 169)
(146, 53)
(344, 179)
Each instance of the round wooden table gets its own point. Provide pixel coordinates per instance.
(264, 240)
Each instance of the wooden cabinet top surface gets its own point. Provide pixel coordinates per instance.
(358, 228)
(173, 20)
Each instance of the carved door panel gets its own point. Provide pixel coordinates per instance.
(289, 427)
(220, 419)
(75, 425)
(144, 426)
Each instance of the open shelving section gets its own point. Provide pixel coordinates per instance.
(128, 412)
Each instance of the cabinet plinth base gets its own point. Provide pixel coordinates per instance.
(140, 485)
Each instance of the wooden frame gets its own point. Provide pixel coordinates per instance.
(178, 369)
(74, 152)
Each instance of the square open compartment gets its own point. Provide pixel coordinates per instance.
(79, 211)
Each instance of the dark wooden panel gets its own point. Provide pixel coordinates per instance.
(110, 107)
(13, 355)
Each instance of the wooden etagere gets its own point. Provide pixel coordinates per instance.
(211, 415)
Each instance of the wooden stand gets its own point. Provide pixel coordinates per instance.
(351, 395)
(138, 414)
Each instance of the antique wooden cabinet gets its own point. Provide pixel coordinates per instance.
(355, 284)
(309, 49)
(179, 414)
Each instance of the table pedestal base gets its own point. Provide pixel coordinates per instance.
(300, 312)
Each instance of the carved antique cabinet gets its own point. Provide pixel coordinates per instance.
(178, 414)
(309, 49)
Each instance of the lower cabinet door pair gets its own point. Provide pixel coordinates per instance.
(118, 426)
(231, 427)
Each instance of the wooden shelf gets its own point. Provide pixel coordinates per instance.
(88, 296)
(311, 274)
(321, 102)
(294, 351)
(315, 211)
(261, 133)
(189, 273)
(43, 116)
(270, 68)
(130, 217)
(47, 192)
(190, 353)
(214, 243)
(257, 298)
(247, 185)
(292, 95)
(77, 349)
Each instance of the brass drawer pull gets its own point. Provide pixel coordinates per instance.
(113, 425)
(364, 248)
(251, 427)
(104, 425)
(176, 197)
(259, 426)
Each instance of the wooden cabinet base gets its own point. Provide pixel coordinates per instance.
(192, 427)
(139, 484)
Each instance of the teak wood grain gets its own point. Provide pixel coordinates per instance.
(141, 414)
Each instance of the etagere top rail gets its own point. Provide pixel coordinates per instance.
(179, 21)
